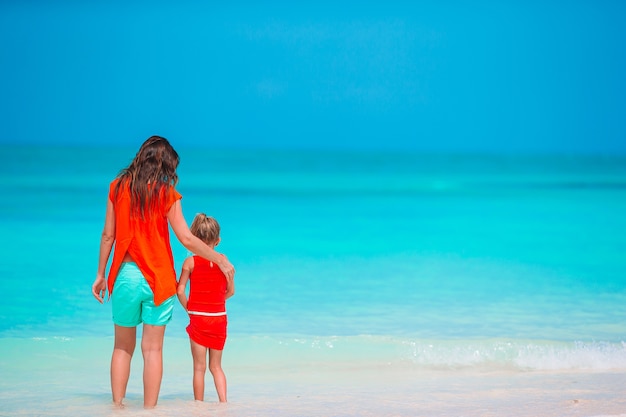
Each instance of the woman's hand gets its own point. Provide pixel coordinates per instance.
(227, 268)
(99, 289)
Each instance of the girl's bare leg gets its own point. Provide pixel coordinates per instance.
(152, 349)
(198, 352)
(215, 366)
(125, 341)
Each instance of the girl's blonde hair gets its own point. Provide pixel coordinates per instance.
(206, 228)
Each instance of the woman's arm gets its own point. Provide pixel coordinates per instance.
(193, 244)
(182, 283)
(98, 288)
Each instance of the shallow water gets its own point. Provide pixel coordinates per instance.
(59, 377)
(367, 284)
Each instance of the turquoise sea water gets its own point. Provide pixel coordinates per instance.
(345, 261)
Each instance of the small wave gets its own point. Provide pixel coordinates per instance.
(523, 355)
(491, 354)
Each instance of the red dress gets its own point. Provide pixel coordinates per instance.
(207, 304)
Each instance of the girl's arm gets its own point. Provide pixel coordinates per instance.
(193, 244)
(230, 287)
(99, 286)
(182, 283)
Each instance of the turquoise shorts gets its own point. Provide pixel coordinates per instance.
(133, 300)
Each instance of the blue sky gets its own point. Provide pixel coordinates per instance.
(520, 76)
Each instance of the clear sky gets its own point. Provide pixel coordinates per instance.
(510, 76)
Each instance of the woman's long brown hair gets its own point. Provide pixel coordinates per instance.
(152, 171)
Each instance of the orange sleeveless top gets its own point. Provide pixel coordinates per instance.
(146, 240)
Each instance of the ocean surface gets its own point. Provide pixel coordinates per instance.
(382, 284)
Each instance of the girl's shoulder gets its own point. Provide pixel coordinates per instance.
(188, 263)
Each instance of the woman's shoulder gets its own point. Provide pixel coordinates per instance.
(113, 185)
(117, 180)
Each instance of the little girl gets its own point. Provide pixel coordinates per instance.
(208, 290)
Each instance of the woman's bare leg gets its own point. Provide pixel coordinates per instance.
(152, 349)
(215, 366)
(198, 352)
(125, 341)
